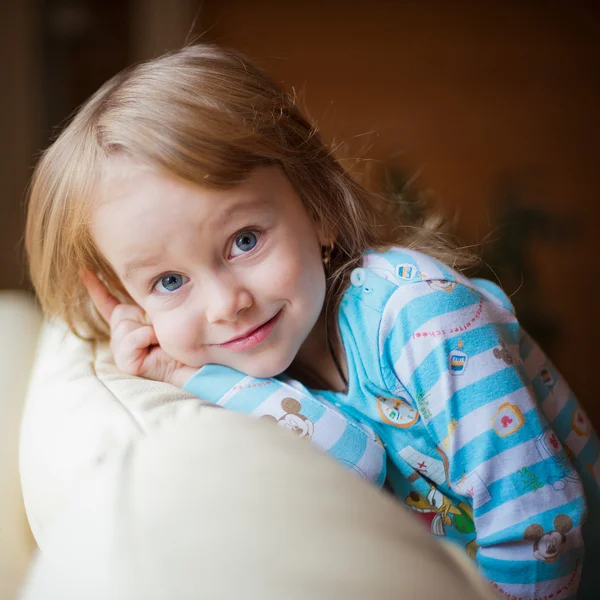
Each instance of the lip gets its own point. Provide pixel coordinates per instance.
(253, 337)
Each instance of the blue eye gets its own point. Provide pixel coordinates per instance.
(170, 283)
(244, 242)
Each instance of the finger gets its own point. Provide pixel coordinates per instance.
(142, 338)
(125, 313)
(104, 302)
(130, 355)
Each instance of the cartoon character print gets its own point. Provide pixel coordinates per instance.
(508, 419)
(441, 285)
(580, 424)
(502, 353)
(386, 270)
(548, 546)
(397, 412)
(439, 512)
(458, 360)
(549, 446)
(548, 379)
(292, 420)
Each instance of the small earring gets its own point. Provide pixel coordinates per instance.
(326, 252)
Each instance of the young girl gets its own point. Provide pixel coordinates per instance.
(227, 252)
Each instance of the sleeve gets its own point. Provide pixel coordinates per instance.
(295, 408)
(455, 350)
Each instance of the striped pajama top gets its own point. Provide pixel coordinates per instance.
(449, 399)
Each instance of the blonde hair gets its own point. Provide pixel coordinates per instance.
(207, 115)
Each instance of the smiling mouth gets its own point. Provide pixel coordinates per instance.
(253, 337)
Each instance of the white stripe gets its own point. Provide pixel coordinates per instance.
(542, 589)
(576, 443)
(432, 468)
(481, 365)
(372, 461)
(523, 549)
(381, 267)
(418, 348)
(272, 404)
(479, 420)
(427, 266)
(536, 360)
(506, 463)
(525, 507)
(330, 428)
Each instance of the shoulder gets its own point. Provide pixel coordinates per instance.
(403, 293)
(405, 274)
(404, 266)
(402, 299)
(393, 290)
(399, 272)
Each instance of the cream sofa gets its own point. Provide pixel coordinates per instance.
(135, 490)
(19, 322)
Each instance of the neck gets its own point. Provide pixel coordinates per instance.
(314, 365)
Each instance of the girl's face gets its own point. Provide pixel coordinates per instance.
(231, 277)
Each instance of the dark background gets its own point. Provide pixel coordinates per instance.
(493, 108)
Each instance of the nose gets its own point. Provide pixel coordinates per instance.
(226, 298)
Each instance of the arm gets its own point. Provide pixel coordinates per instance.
(458, 349)
(293, 407)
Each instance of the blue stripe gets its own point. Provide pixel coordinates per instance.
(562, 422)
(351, 446)
(436, 303)
(212, 382)
(495, 291)
(474, 341)
(424, 308)
(482, 392)
(526, 346)
(312, 409)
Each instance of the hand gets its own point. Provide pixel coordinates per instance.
(132, 339)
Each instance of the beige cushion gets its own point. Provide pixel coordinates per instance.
(217, 505)
(135, 489)
(79, 409)
(19, 323)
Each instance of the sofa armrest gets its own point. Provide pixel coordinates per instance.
(20, 320)
(219, 505)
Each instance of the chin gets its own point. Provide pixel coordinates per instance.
(266, 367)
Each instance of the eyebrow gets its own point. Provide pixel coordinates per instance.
(240, 207)
(134, 265)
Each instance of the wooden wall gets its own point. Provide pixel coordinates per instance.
(495, 105)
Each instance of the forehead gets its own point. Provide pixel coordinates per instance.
(123, 178)
(139, 210)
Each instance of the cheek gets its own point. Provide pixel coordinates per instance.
(297, 273)
(176, 335)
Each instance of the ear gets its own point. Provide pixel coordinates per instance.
(290, 405)
(563, 524)
(268, 418)
(325, 233)
(533, 533)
